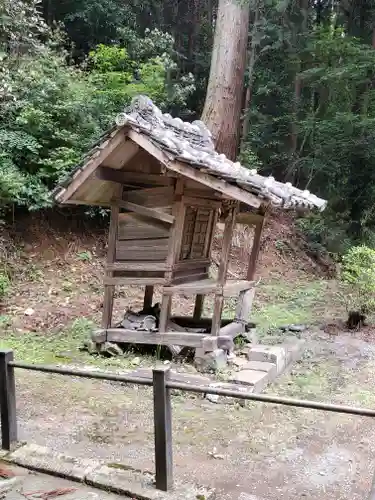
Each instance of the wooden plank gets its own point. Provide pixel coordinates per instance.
(136, 178)
(191, 264)
(213, 230)
(223, 267)
(157, 243)
(245, 304)
(191, 322)
(132, 226)
(126, 336)
(141, 232)
(136, 266)
(142, 254)
(174, 245)
(233, 192)
(139, 274)
(109, 289)
(122, 155)
(232, 288)
(139, 178)
(189, 271)
(151, 197)
(209, 234)
(190, 278)
(142, 250)
(165, 312)
(145, 211)
(198, 306)
(255, 250)
(92, 165)
(109, 280)
(200, 191)
(194, 288)
(201, 202)
(248, 218)
(216, 315)
(226, 245)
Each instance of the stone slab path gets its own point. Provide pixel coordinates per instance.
(256, 367)
(28, 485)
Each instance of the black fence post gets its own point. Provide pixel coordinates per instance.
(7, 401)
(163, 429)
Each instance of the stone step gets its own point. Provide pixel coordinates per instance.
(262, 366)
(269, 354)
(256, 379)
(279, 355)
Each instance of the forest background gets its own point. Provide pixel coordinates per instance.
(300, 82)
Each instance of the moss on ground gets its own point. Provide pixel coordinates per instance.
(276, 304)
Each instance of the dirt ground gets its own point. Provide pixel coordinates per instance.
(269, 451)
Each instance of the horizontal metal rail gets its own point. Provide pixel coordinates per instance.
(162, 386)
(299, 403)
(82, 373)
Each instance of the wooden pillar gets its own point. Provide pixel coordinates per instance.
(255, 250)
(109, 290)
(174, 246)
(165, 312)
(230, 221)
(198, 308)
(244, 305)
(199, 300)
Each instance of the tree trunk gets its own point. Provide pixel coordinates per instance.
(222, 108)
(251, 63)
(301, 26)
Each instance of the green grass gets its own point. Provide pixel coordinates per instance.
(281, 304)
(63, 347)
(275, 305)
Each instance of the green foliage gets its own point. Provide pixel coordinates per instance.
(50, 120)
(4, 283)
(145, 67)
(85, 256)
(54, 102)
(332, 116)
(51, 112)
(358, 276)
(325, 232)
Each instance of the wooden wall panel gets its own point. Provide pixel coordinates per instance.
(153, 197)
(133, 227)
(138, 250)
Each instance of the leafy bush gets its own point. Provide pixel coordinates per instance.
(4, 283)
(146, 67)
(51, 112)
(358, 277)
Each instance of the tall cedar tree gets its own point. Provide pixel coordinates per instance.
(223, 105)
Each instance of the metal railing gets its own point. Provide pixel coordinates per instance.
(162, 387)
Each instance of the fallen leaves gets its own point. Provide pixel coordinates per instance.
(48, 495)
(6, 473)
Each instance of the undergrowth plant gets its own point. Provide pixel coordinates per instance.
(4, 283)
(358, 278)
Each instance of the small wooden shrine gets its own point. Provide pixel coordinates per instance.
(167, 188)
